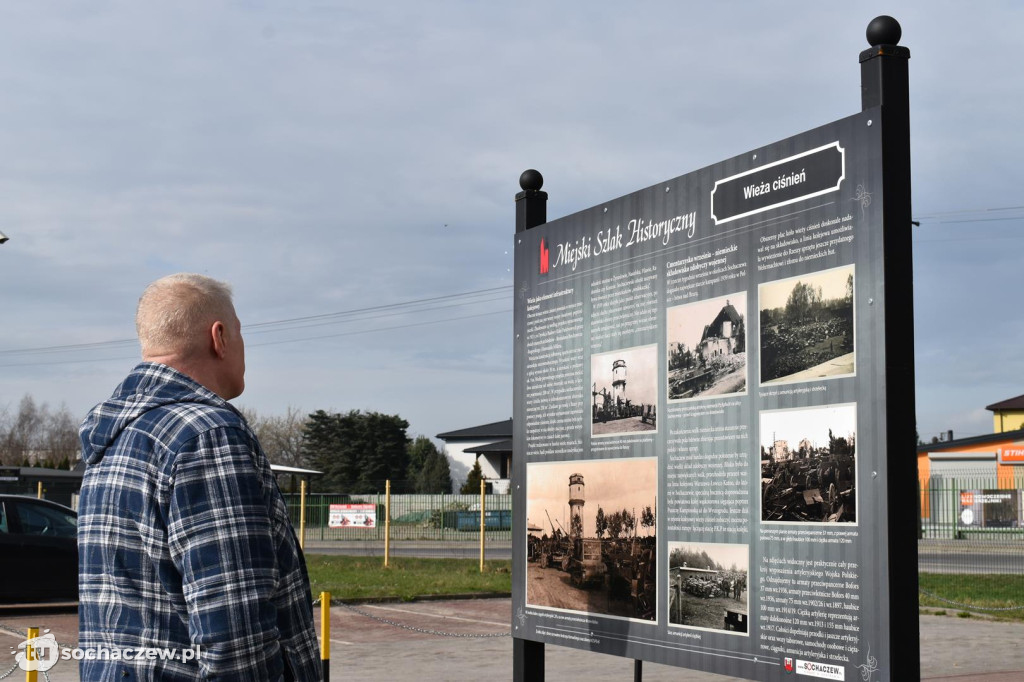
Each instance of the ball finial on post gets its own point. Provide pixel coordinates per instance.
(884, 30)
(531, 180)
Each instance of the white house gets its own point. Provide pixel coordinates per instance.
(490, 444)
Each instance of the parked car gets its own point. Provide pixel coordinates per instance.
(38, 550)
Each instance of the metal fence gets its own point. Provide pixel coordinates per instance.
(420, 525)
(971, 525)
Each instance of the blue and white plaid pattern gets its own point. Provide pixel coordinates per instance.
(184, 540)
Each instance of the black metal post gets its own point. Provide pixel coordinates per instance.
(531, 203)
(885, 83)
(531, 211)
(638, 670)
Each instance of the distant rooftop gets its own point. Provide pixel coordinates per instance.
(491, 448)
(1009, 404)
(1002, 437)
(493, 431)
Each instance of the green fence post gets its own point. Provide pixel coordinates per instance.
(955, 509)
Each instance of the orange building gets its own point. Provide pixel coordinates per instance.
(995, 458)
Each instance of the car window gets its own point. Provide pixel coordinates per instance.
(3, 519)
(38, 519)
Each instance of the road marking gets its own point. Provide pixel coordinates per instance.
(341, 641)
(437, 615)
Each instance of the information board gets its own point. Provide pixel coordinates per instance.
(699, 417)
(352, 516)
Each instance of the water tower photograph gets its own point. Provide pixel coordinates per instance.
(592, 536)
(624, 391)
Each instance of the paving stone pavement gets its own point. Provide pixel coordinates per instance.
(365, 648)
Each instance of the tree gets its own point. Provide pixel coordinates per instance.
(279, 435)
(37, 435)
(628, 522)
(428, 467)
(357, 451)
(576, 526)
(60, 437)
(799, 302)
(614, 525)
(472, 484)
(647, 517)
(419, 450)
(600, 522)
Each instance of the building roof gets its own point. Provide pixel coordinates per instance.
(1008, 404)
(282, 469)
(41, 472)
(973, 440)
(483, 432)
(728, 312)
(500, 446)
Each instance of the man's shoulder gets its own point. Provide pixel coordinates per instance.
(177, 423)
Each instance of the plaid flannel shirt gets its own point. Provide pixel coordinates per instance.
(184, 541)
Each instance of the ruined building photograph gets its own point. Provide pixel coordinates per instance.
(806, 327)
(592, 536)
(809, 464)
(624, 391)
(707, 348)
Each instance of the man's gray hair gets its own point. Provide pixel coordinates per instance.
(175, 313)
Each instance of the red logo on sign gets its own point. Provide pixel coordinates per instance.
(545, 257)
(788, 664)
(966, 499)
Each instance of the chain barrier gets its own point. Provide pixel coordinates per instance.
(426, 631)
(15, 631)
(969, 607)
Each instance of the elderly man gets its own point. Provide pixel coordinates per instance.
(184, 540)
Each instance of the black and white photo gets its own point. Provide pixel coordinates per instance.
(624, 391)
(806, 327)
(708, 586)
(707, 348)
(809, 464)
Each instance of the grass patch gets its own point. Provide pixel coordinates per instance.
(354, 578)
(984, 591)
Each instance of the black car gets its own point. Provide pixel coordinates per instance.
(38, 550)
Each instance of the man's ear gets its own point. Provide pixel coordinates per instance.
(217, 337)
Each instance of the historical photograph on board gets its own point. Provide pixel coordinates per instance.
(806, 327)
(592, 536)
(624, 392)
(809, 464)
(707, 348)
(707, 585)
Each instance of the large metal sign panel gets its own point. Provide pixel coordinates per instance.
(699, 462)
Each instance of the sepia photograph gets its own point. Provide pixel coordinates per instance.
(707, 348)
(624, 392)
(707, 586)
(807, 327)
(809, 464)
(592, 536)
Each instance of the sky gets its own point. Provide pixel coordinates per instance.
(350, 169)
(611, 484)
(832, 283)
(812, 423)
